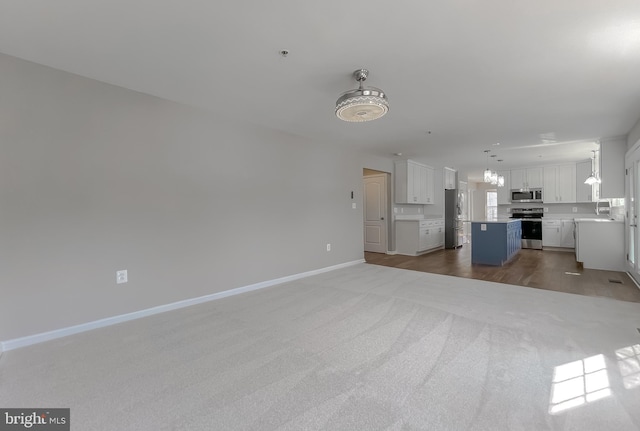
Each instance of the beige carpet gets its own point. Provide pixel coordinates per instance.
(361, 348)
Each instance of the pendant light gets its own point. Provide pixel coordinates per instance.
(494, 174)
(593, 178)
(500, 177)
(363, 103)
(487, 172)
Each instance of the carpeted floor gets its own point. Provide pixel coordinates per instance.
(360, 348)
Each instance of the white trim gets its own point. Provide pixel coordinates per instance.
(633, 279)
(70, 330)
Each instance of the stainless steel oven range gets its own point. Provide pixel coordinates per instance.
(531, 226)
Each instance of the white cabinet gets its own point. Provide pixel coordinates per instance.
(558, 233)
(585, 192)
(600, 244)
(504, 193)
(415, 237)
(611, 165)
(530, 178)
(559, 184)
(429, 191)
(437, 233)
(551, 236)
(449, 178)
(413, 183)
(567, 233)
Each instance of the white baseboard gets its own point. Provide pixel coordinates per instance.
(633, 279)
(70, 330)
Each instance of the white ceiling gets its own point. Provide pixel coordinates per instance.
(539, 77)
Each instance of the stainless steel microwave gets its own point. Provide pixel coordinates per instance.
(532, 195)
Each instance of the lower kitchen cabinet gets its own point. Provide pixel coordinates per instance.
(558, 233)
(551, 236)
(567, 231)
(415, 237)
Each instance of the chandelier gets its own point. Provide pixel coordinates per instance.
(363, 103)
(490, 176)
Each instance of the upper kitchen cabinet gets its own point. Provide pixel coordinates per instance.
(413, 183)
(559, 184)
(530, 178)
(449, 179)
(504, 193)
(585, 192)
(429, 191)
(612, 153)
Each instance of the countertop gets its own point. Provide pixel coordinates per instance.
(597, 220)
(500, 220)
(414, 217)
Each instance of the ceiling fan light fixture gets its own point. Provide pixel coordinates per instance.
(363, 103)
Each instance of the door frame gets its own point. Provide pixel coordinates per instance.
(388, 198)
(632, 172)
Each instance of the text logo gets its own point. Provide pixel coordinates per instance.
(35, 419)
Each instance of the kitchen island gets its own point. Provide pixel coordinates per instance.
(495, 242)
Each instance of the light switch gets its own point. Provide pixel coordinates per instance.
(483, 226)
(353, 205)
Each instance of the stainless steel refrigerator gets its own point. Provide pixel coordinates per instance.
(453, 226)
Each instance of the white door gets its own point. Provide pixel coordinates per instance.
(632, 167)
(375, 209)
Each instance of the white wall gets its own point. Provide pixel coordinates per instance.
(95, 178)
(634, 135)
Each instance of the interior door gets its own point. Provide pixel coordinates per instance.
(375, 209)
(632, 169)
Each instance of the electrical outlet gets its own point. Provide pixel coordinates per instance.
(353, 205)
(575, 209)
(121, 276)
(546, 209)
(328, 247)
(395, 210)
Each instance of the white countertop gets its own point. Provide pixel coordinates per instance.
(597, 220)
(500, 220)
(414, 217)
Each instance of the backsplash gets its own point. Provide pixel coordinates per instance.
(569, 209)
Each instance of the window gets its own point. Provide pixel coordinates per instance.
(492, 205)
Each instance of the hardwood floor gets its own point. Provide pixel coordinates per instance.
(548, 269)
